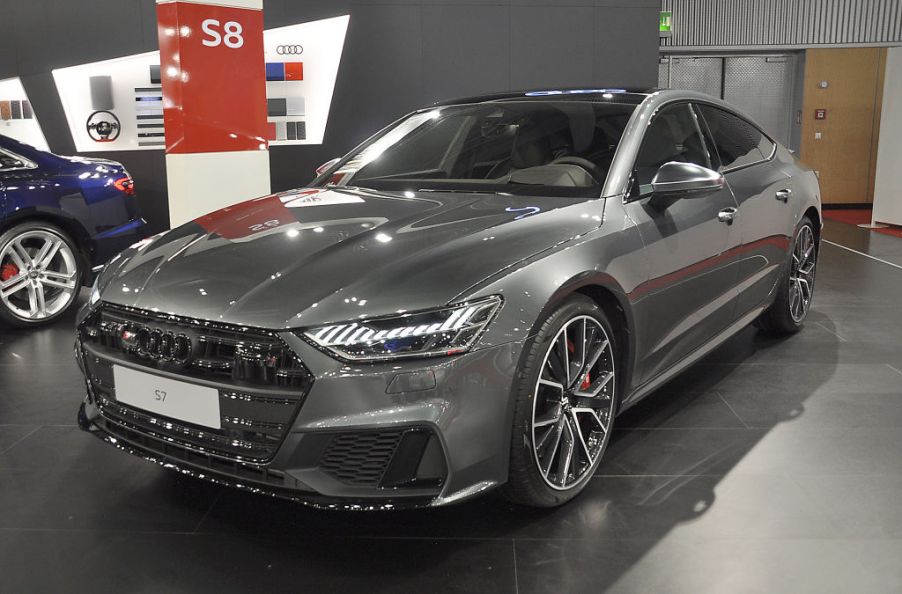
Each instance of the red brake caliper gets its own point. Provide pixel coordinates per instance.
(587, 381)
(8, 271)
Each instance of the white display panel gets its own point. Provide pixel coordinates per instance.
(298, 106)
(17, 119)
(123, 92)
(117, 105)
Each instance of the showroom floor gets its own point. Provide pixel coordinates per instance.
(772, 466)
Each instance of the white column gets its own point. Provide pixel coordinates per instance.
(199, 183)
(888, 181)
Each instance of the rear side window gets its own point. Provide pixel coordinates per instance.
(738, 142)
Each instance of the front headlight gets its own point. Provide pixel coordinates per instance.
(447, 331)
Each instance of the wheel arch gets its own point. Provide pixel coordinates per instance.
(815, 216)
(70, 225)
(607, 293)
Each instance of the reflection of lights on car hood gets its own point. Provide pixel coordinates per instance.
(526, 211)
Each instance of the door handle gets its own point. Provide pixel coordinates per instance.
(727, 215)
(783, 195)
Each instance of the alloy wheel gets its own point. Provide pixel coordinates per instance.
(574, 403)
(38, 275)
(801, 276)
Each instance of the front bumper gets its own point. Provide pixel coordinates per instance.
(364, 436)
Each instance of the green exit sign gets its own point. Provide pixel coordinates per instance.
(665, 23)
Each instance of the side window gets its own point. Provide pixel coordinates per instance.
(738, 142)
(673, 135)
(9, 161)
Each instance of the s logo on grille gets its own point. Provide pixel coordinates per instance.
(156, 344)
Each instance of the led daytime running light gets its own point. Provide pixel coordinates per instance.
(354, 333)
(446, 331)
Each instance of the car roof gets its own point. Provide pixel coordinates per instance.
(589, 93)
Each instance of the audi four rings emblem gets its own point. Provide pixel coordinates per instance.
(157, 344)
(290, 50)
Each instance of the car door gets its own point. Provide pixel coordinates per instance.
(4, 165)
(763, 193)
(690, 246)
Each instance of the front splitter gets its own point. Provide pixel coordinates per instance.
(308, 499)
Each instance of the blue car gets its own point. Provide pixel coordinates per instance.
(59, 217)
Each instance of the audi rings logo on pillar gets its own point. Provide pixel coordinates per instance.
(289, 50)
(157, 344)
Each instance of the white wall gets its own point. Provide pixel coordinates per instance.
(888, 182)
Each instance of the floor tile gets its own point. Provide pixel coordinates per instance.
(116, 562)
(677, 566)
(680, 411)
(142, 498)
(833, 409)
(677, 451)
(10, 435)
(54, 447)
(792, 378)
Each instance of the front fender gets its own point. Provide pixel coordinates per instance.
(608, 259)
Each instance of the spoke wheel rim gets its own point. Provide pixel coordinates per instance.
(42, 275)
(801, 275)
(573, 403)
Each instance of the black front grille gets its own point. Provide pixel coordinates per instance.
(360, 458)
(261, 382)
(219, 352)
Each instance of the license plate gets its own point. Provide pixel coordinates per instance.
(170, 398)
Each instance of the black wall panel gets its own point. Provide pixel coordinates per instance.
(465, 55)
(399, 55)
(537, 61)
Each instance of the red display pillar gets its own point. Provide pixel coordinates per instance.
(214, 104)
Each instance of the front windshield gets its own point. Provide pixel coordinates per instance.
(554, 148)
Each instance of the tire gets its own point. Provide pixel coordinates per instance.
(784, 316)
(49, 288)
(535, 477)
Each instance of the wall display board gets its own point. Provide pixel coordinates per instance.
(301, 67)
(117, 104)
(114, 104)
(17, 119)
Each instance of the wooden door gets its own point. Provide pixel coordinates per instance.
(845, 155)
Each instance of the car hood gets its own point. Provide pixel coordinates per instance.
(320, 255)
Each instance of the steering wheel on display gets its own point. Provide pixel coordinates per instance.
(103, 126)
(590, 167)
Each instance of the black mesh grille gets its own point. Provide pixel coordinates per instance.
(261, 383)
(219, 352)
(164, 446)
(360, 458)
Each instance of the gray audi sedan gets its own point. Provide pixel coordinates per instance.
(465, 302)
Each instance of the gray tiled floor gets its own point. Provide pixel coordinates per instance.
(771, 466)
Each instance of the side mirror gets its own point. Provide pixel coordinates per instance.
(685, 180)
(326, 166)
